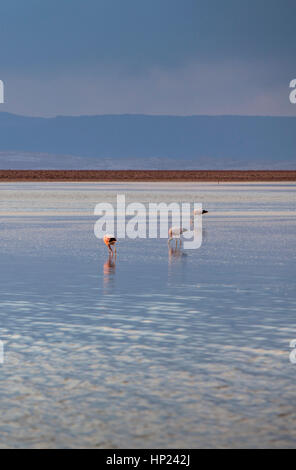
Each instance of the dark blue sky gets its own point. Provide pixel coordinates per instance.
(140, 56)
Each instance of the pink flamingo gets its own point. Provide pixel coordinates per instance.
(110, 241)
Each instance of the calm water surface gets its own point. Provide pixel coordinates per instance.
(160, 349)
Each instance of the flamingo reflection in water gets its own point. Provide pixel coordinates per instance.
(109, 270)
(175, 254)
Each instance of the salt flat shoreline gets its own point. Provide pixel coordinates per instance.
(147, 175)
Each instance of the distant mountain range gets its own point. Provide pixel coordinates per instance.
(147, 142)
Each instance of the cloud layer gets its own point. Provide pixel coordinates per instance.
(157, 57)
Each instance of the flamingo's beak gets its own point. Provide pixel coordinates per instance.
(205, 212)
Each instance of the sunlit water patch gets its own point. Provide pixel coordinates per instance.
(157, 348)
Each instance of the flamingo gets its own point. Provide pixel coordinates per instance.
(110, 240)
(176, 232)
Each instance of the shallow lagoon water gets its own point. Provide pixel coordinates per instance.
(159, 349)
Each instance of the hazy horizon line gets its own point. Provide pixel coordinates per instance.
(149, 115)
